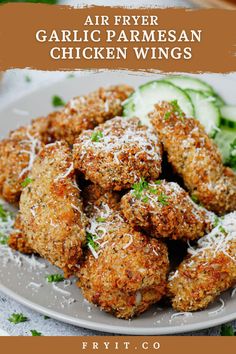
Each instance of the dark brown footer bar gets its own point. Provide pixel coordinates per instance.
(127, 345)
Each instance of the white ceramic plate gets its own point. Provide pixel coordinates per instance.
(23, 278)
(3, 333)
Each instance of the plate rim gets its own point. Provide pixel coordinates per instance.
(115, 329)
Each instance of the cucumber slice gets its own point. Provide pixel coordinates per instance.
(192, 83)
(188, 82)
(224, 140)
(142, 101)
(219, 102)
(228, 116)
(205, 110)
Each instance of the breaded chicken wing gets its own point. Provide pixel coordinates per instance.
(51, 213)
(86, 112)
(118, 153)
(163, 209)
(124, 271)
(196, 158)
(209, 270)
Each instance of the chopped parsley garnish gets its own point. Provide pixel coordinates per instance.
(175, 110)
(142, 186)
(162, 198)
(145, 199)
(194, 198)
(152, 190)
(167, 115)
(100, 219)
(90, 238)
(54, 278)
(216, 221)
(57, 101)
(222, 229)
(26, 181)
(3, 213)
(139, 188)
(96, 136)
(46, 317)
(3, 239)
(27, 78)
(17, 318)
(35, 333)
(227, 330)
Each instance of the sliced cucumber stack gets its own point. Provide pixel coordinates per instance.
(205, 110)
(228, 116)
(226, 141)
(192, 83)
(142, 101)
(196, 99)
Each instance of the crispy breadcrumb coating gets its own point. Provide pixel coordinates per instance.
(17, 239)
(86, 112)
(94, 196)
(124, 272)
(210, 270)
(17, 153)
(163, 209)
(118, 153)
(51, 211)
(196, 158)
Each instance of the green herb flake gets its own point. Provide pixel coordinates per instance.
(35, 333)
(26, 182)
(100, 219)
(216, 221)
(46, 318)
(90, 238)
(222, 229)
(70, 76)
(153, 190)
(167, 115)
(54, 278)
(17, 318)
(3, 239)
(194, 198)
(3, 213)
(57, 101)
(176, 108)
(162, 198)
(145, 199)
(96, 136)
(28, 78)
(139, 187)
(227, 330)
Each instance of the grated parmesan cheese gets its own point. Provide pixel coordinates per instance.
(98, 230)
(34, 146)
(118, 135)
(66, 174)
(219, 240)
